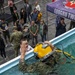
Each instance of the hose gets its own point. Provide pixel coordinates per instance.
(66, 53)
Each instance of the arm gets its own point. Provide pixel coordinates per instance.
(23, 50)
(11, 38)
(7, 26)
(47, 42)
(17, 16)
(58, 26)
(30, 31)
(30, 8)
(36, 30)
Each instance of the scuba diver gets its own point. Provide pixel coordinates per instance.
(24, 47)
(39, 67)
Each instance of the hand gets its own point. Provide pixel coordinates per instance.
(47, 42)
(34, 34)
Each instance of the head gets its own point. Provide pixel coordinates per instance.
(38, 11)
(15, 28)
(24, 43)
(2, 20)
(22, 9)
(32, 23)
(25, 27)
(36, 3)
(15, 11)
(42, 22)
(35, 10)
(26, 1)
(62, 20)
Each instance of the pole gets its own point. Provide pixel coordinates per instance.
(47, 21)
(2, 8)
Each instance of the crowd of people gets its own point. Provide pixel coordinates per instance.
(26, 24)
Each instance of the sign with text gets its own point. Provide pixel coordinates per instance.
(60, 9)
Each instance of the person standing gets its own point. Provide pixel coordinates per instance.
(5, 29)
(37, 6)
(34, 15)
(39, 18)
(43, 30)
(11, 6)
(58, 20)
(23, 16)
(18, 25)
(28, 9)
(15, 16)
(2, 47)
(34, 32)
(61, 27)
(15, 38)
(72, 25)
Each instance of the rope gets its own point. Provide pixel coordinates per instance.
(66, 53)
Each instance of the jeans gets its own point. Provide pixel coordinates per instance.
(3, 54)
(28, 17)
(43, 37)
(6, 34)
(34, 40)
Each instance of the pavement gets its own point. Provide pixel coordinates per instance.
(51, 25)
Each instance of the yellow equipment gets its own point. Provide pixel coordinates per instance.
(46, 51)
(42, 51)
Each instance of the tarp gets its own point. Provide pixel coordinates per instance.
(58, 7)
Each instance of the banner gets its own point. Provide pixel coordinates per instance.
(59, 8)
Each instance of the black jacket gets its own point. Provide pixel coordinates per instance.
(23, 15)
(28, 9)
(15, 17)
(2, 44)
(60, 29)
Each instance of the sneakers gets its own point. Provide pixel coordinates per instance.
(6, 58)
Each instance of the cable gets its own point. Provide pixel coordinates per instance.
(66, 53)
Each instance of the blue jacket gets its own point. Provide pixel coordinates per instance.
(34, 16)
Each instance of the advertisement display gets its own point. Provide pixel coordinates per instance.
(59, 8)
